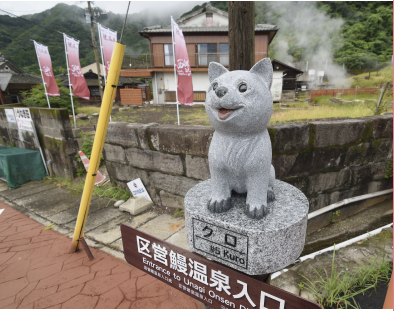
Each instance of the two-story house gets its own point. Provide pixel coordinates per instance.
(206, 36)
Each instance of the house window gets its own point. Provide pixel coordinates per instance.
(223, 57)
(207, 52)
(209, 15)
(168, 55)
(14, 99)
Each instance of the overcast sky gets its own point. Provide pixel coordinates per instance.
(120, 7)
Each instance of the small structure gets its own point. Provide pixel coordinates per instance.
(123, 83)
(284, 81)
(20, 82)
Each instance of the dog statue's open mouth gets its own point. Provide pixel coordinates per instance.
(223, 114)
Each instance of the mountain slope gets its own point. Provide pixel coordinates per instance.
(15, 34)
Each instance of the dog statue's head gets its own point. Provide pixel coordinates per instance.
(240, 101)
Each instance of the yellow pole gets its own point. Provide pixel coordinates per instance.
(101, 132)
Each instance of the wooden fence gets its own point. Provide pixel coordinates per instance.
(334, 92)
(131, 96)
(198, 96)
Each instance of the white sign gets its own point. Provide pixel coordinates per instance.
(320, 73)
(9, 113)
(23, 119)
(311, 72)
(138, 190)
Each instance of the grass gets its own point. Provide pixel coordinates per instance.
(326, 99)
(338, 289)
(111, 190)
(377, 79)
(88, 110)
(179, 213)
(49, 227)
(325, 109)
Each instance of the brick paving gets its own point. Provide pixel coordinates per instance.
(36, 271)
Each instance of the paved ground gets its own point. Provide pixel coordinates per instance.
(47, 204)
(36, 271)
(54, 205)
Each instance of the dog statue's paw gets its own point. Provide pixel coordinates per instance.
(256, 212)
(219, 206)
(270, 195)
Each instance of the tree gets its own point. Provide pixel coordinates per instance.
(35, 97)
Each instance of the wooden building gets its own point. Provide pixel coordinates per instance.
(123, 83)
(20, 82)
(206, 36)
(284, 81)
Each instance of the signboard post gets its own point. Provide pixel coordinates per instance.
(211, 283)
(138, 190)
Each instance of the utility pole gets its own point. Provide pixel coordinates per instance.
(95, 49)
(241, 34)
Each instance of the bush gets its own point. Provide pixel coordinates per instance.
(35, 97)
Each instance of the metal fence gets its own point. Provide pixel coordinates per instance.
(334, 92)
(163, 60)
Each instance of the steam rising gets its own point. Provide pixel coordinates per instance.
(310, 29)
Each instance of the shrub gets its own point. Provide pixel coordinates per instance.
(35, 97)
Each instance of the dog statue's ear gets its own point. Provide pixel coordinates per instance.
(263, 69)
(215, 70)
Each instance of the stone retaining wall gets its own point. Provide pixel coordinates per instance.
(327, 160)
(55, 134)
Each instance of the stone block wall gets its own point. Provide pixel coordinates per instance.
(54, 132)
(327, 160)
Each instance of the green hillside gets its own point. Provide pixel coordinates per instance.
(353, 34)
(15, 35)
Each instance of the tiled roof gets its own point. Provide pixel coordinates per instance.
(160, 29)
(25, 78)
(208, 7)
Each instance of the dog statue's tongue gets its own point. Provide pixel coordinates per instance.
(224, 113)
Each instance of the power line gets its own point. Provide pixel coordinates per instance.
(55, 31)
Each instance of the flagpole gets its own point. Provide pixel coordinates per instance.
(69, 79)
(176, 82)
(42, 76)
(102, 60)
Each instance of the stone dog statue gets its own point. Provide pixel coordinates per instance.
(239, 106)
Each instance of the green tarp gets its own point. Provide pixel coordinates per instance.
(20, 166)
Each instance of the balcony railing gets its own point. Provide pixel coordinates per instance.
(197, 60)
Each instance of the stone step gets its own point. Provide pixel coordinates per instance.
(110, 232)
(72, 202)
(97, 218)
(72, 213)
(28, 190)
(162, 227)
(44, 200)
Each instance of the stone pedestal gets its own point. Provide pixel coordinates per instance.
(251, 246)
